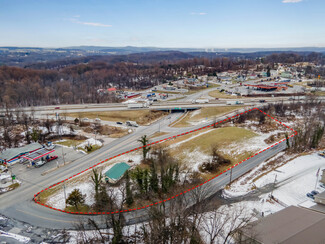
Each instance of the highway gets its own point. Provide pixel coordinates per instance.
(19, 204)
(184, 103)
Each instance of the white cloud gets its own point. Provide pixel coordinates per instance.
(291, 1)
(195, 13)
(89, 23)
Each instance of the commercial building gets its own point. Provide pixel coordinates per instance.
(30, 152)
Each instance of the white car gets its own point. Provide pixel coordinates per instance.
(39, 163)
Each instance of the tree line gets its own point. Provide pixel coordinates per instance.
(79, 83)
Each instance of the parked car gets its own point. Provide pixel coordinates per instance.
(310, 196)
(85, 119)
(51, 158)
(97, 119)
(57, 107)
(262, 101)
(322, 185)
(119, 123)
(39, 163)
(314, 193)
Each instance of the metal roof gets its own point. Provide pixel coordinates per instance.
(38, 154)
(292, 225)
(117, 171)
(14, 152)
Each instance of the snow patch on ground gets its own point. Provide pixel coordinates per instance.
(295, 179)
(90, 141)
(244, 184)
(292, 181)
(196, 112)
(57, 199)
(19, 238)
(195, 159)
(254, 144)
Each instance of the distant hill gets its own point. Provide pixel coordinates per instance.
(51, 57)
(143, 58)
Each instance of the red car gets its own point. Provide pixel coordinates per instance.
(57, 107)
(51, 158)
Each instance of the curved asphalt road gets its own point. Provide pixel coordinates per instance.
(18, 204)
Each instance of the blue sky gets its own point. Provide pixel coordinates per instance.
(163, 23)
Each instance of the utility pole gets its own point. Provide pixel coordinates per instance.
(230, 175)
(65, 195)
(63, 155)
(317, 178)
(273, 185)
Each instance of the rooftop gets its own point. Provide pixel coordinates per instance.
(290, 225)
(117, 171)
(13, 152)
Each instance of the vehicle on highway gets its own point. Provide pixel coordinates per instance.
(138, 105)
(85, 119)
(234, 102)
(262, 101)
(51, 158)
(57, 107)
(97, 119)
(200, 101)
(119, 123)
(310, 196)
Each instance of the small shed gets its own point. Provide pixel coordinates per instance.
(114, 174)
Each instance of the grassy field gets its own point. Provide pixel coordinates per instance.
(221, 137)
(218, 94)
(166, 91)
(142, 117)
(70, 142)
(192, 91)
(157, 134)
(82, 208)
(206, 112)
(75, 143)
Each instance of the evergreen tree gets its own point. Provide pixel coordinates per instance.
(287, 140)
(75, 198)
(145, 180)
(129, 195)
(268, 72)
(154, 182)
(145, 149)
(97, 179)
(102, 200)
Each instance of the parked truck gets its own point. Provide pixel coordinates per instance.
(234, 102)
(131, 123)
(201, 100)
(138, 105)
